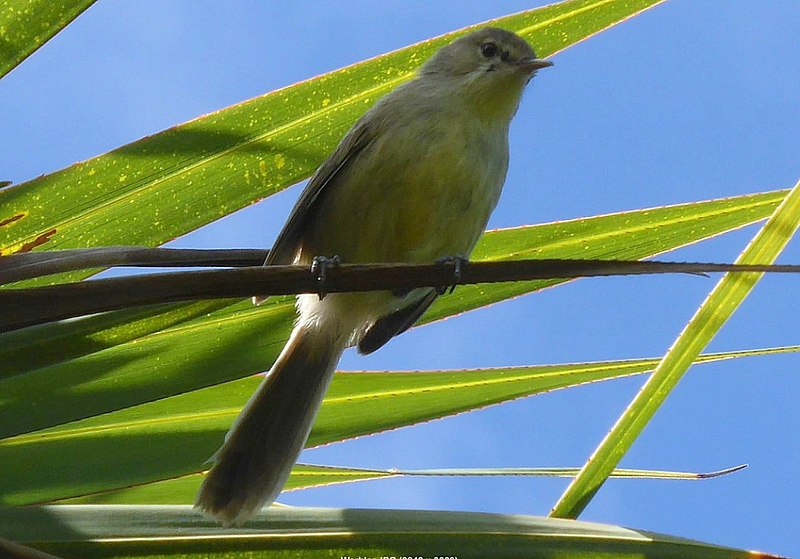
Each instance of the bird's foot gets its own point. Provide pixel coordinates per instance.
(458, 262)
(320, 266)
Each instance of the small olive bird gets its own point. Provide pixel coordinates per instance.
(414, 180)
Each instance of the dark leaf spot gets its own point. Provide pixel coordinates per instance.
(38, 241)
(11, 219)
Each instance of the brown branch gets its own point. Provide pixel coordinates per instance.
(26, 307)
(18, 267)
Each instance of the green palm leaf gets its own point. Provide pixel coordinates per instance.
(162, 186)
(178, 532)
(721, 303)
(173, 437)
(123, 359)
(25, 25)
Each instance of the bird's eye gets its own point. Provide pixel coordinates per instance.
(489, 50)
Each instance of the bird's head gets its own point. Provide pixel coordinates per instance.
(491, 66)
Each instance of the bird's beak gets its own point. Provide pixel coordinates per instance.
(530, 65)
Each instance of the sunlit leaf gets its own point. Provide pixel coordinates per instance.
(104, 363)
(183, 490)
(25, 25)
(89, 531)
(175, 436)
(721, 303)
(152, 190)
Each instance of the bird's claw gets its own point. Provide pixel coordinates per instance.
(320, 266)
(458, 262)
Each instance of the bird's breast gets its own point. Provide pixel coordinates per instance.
(420, 192)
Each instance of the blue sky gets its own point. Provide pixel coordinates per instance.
(689, 101)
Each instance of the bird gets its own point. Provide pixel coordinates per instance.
(414, 180)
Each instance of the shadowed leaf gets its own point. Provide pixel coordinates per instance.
(89, 531)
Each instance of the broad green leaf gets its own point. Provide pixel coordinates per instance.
(236, 341)
(183, 490)
(632, 235)
(175, 436)
(152, 190)
(41, 346)
(89, 531)
(128, 364)
(25, 25)
(720, 304)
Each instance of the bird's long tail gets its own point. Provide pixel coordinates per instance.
(260, 449)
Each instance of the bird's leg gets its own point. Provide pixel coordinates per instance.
(320, 266)
(458, 262)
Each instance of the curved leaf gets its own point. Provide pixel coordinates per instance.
(88, 531)
(183, 490)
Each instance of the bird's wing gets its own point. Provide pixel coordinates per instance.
(288, 242)
(393, 324)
